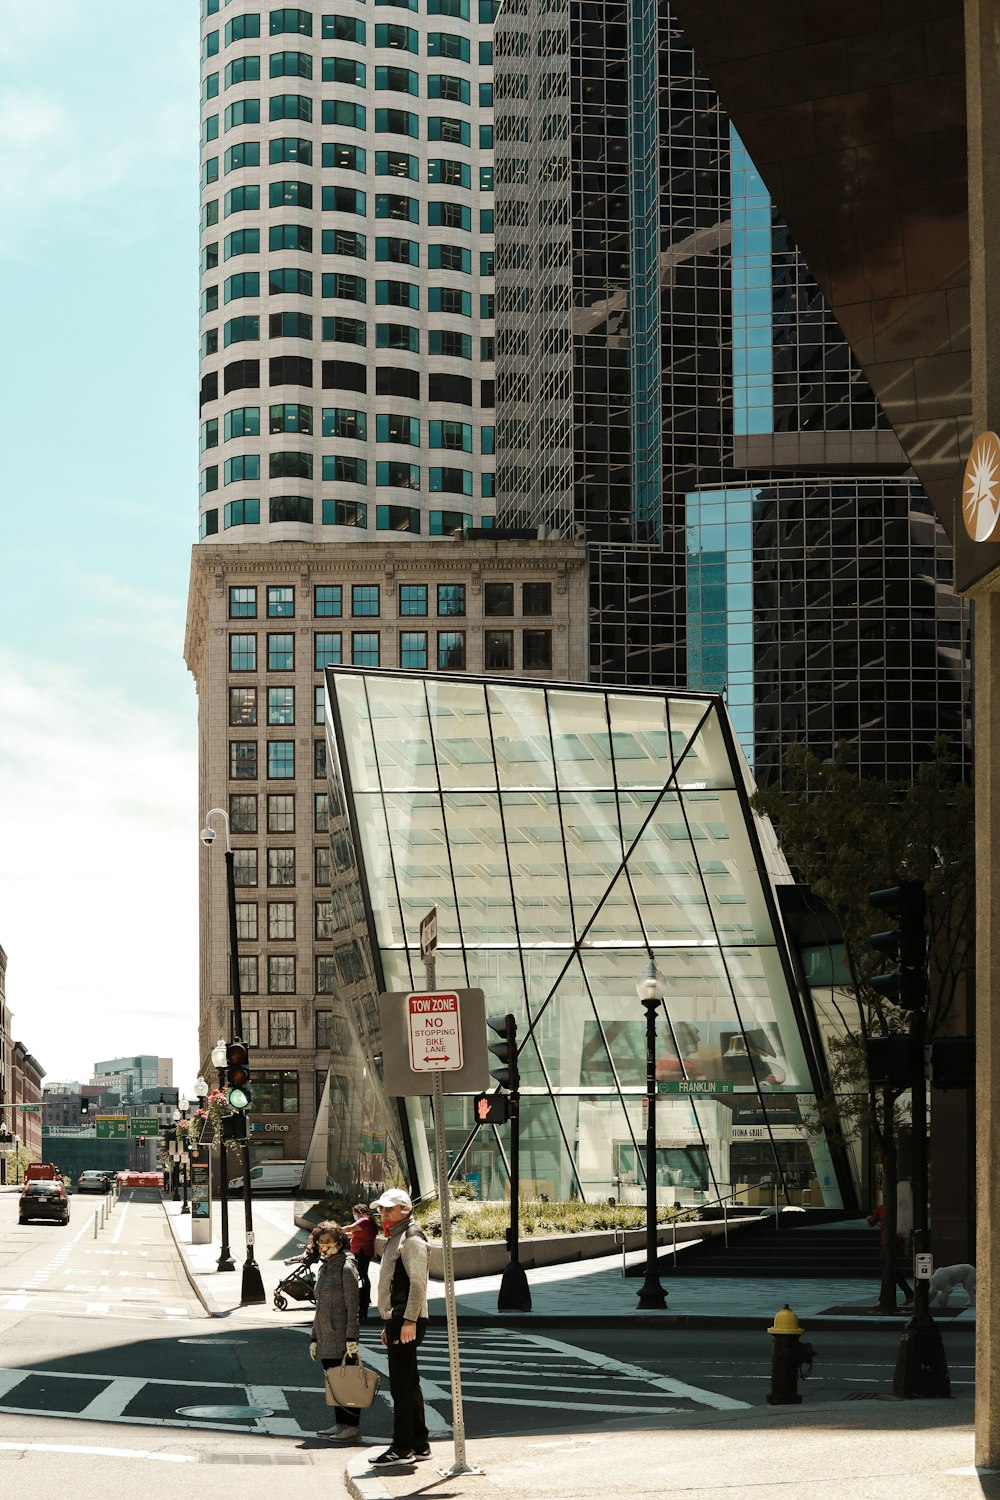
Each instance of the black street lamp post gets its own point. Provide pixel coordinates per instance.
(225, 1261)
(181, 1113)
(252, 1290)
(650, 992)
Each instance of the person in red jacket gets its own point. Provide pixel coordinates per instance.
(363, 1232)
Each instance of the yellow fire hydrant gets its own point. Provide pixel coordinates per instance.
(789, 1359)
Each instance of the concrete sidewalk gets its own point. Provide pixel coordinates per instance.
(585, 1293)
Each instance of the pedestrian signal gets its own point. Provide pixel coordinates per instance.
(491, 1109)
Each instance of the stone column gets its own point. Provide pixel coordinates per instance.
(982, 62)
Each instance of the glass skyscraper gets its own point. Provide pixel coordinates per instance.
(671, 385)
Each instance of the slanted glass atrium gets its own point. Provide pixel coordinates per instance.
(563, 834)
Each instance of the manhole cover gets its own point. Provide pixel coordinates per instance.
(225, 1412)
(210, 1343)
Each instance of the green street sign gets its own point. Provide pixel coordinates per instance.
(111, 1127)
(694, 1086)
(147, 1125)
(30, 1109)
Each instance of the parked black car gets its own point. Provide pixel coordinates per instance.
(43, 1200)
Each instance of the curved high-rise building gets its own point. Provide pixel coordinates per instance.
(346, 269)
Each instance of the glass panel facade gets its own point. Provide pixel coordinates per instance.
(563, 834)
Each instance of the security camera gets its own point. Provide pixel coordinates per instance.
(208, 836)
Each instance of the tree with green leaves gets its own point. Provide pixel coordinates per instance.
(845, 836)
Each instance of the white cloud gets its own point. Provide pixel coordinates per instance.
(98, 872)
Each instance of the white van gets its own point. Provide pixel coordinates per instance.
(272, 1177)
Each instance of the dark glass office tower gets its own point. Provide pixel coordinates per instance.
(671, 385)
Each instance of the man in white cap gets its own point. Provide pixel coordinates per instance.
(402, 1305)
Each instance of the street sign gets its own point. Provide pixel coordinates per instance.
(144, 1125)
(434, 1032)
(694, 1086)
(29, 1109)
(429, 933)
(402, 1080)
(112, 1127)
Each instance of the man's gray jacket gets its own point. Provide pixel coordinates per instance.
(402, 1278)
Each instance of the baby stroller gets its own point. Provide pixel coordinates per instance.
(299, 1285)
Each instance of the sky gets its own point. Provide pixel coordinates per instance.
(98, 493)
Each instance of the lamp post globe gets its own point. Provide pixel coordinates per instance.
(651, 992)
(219, 1054)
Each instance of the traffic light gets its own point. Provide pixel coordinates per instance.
(234, 1127)
(491, 1109)
(892, 1060)
(85, 1106)
(142, 1140)
(907, 944)
(953, 1062)
(506, 1076)
(238, 1074)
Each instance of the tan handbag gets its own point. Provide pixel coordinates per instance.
(351, 1385)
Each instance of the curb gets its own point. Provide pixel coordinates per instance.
(677, 1320)
(206, 1299)
(362, 1483)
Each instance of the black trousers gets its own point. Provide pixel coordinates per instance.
(409, 1429)
(348, 1416)
(363, 1260)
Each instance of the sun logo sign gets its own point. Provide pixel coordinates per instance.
(981, 488)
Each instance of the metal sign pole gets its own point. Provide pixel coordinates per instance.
(444, 1201)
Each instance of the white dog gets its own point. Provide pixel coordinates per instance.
(947, 1278)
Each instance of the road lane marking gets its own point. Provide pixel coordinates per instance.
(110, 1403)
(656, 1382)
(163, 1458)
(120, 1225)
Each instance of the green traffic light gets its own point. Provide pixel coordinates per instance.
(238, 1098)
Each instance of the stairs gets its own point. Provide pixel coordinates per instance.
(758, 1249)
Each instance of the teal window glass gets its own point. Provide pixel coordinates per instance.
(486, 61)
(243, 154)
(400, 4)
(242, 421)
(210, 214)
(394, 474)
(291, 18)
(404, 38)
(210, 8)
(344, 242)
(451, 598)
(289, 281)
(290, 148)
(397, 518)
(449, 258)
(209, 342)
(344, 70)
(444, 128)
(454, 435)
(281, 759)
(241, 242)
(345, 513)
(242, 199)
(447, 342)
(345, 422)
(486, 179)
(344, 284)
(413, 599)
(400, 252)
(487, 348)
(397, 164)
(397, 206)
(327, 647)
(448, 522)
(281, 705)
(413, 650)
(291, 508)
(364, 599)
(486, 221)
(290, 194)
(344, 158)
(291, 65)
(488, 11)
(343, 200)
(450, 481)
(448, 299)
(242, 70)
(241, 27)
(338, 330)
(244, 466)
(487, 305)
(450, 216)
(391, 428)
(343, 29)
(343, 112)
(445, 86)
(209, 479)
(242, 653)
(365, 649)
(345, 468)
(280, 601)
(752, 296)
(290, 237)
(290, 465)
(242, 112)
(397, 294)
(486, 96)
(487, 489)
(290, 416)
(242, 513)
(210, 171)
(328, 600)
(211, 46)
(451, 650)
(457, 8)
(290, 107)
(397, 336)
(397, 122)
(243, 604)
(210, 433)
(290, 325)
(396, 80)
(241, 330)
(446, 44)
(210, 257)
(209, 300)
(487, 440)
(210, 129)
(486, 140)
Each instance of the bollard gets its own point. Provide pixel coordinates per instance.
(789, 1359)
(95, 1226)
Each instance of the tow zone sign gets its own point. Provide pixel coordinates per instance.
(434, 1032)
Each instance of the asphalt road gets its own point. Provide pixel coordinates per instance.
(107, 1355)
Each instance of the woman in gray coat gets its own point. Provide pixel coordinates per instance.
(335, 1326)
